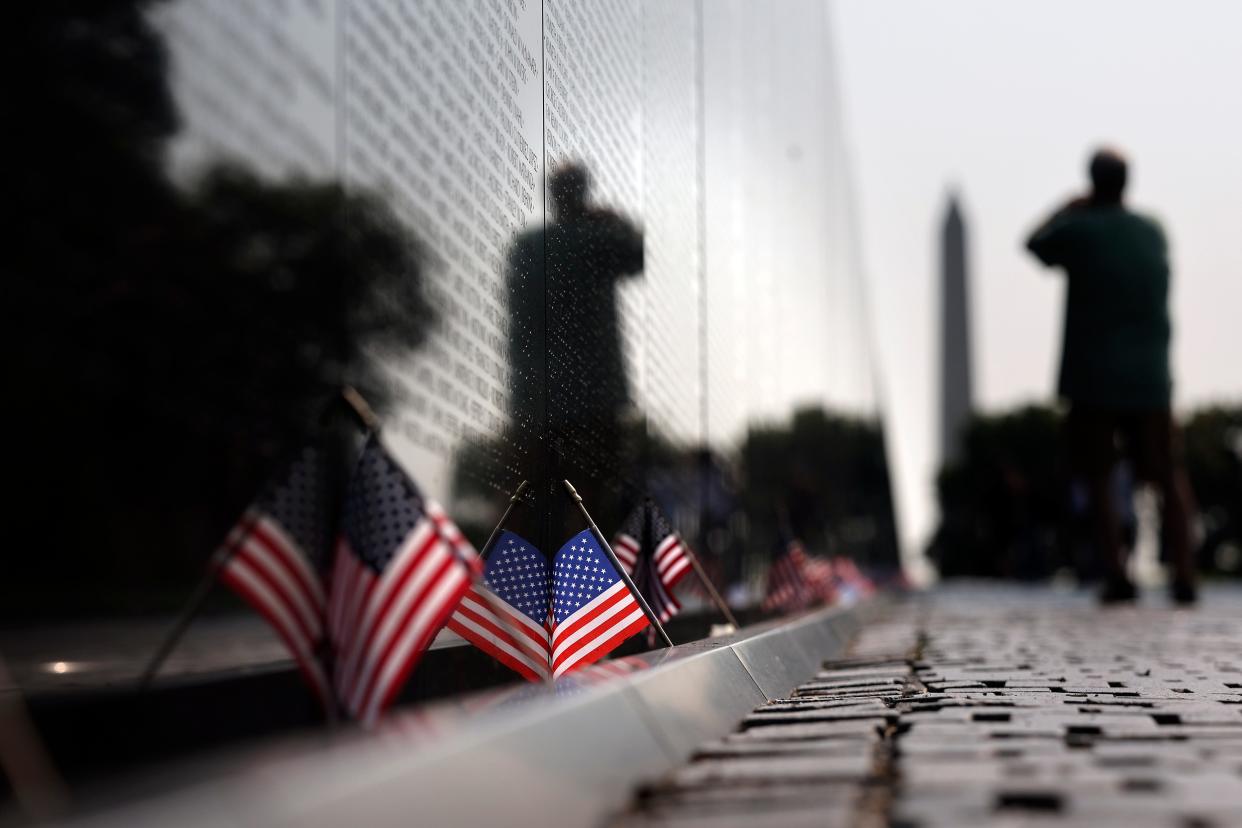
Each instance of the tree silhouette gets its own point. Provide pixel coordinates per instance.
(168, 344)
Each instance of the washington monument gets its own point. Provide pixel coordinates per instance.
(956, 392)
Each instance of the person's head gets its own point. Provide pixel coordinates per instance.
(1108, 176)
(569, 186)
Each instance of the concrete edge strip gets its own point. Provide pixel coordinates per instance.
(573, 761)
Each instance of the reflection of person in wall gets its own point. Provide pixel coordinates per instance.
(1115, 364)
(569, 380)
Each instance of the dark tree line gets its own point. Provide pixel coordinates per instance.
(1009, 506)
(822, 477)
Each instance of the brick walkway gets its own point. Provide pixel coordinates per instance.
(986, 705)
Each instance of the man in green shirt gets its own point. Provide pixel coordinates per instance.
(1115, 363)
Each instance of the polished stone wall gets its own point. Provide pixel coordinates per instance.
(637, 222)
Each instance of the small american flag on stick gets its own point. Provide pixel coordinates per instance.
(274, 557)
(820, 577)
(401, 569)
(592, 609)
(788, 589)
(540, 626)
(654, 555)
(506, 616)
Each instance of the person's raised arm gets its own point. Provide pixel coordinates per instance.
(1050, 241)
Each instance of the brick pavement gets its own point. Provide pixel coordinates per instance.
(982, 705)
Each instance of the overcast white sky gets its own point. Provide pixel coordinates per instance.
(1004, 100)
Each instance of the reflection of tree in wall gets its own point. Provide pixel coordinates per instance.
(826, 475)
(167, 345)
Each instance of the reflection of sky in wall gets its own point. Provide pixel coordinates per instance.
(235, 67)
(780, 246)
(259, 83)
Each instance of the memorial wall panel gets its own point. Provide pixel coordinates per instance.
(594, 255)
(603, 240)
(671, 391)
(442, 117)
(255, 83)
(637, 215)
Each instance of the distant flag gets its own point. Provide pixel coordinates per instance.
(820, 577)
(787, 590)
(592, 609)
(506, 616)
(854, 584)
(660, 565)
(401, 569)
(274, 558)
(797, 580)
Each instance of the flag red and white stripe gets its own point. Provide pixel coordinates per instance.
(401, 570)
(596, 629)
(273, 558)
(266, 567)
(672, 560)
(787, 588)
(626, 547)
(657, 571)
(592, 608)
(506, 614)
(505, 633)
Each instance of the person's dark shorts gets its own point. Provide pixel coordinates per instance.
(1097, 438)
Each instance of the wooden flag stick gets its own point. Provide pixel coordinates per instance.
(497, 606)
(192, 608)
(513, 502)
(361, 408)
(716, 597)
(194, 605)
(629, 584)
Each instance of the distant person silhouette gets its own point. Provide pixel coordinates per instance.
(570, 387)
(1115, 364)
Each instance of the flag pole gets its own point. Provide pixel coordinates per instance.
(366, 415)
(513, 502)
(715, 596)
(599, 536)
(361, 408)
(192, 608)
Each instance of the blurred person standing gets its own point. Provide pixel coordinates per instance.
(1115, 365)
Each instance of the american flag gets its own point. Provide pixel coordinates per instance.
(401, 569)
(853, 583)
(506, 616)
(821, 578)
(788, 589)
(273, 558)
(592, 609)
(658, 567)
